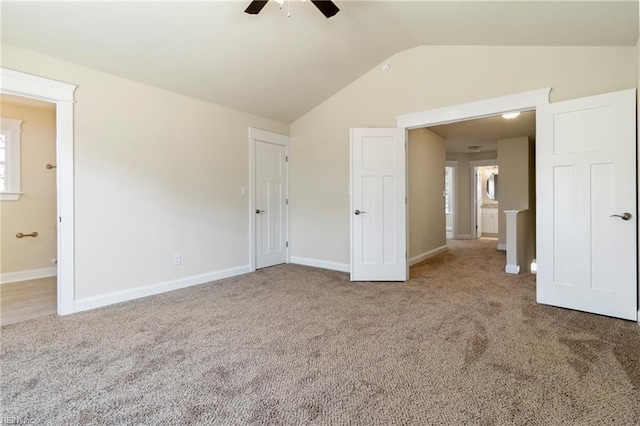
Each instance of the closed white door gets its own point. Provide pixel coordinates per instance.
(586, 191)
(378, 205)
(271, 204)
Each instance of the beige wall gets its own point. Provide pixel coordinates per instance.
(463, 187)
(156, 173)
(515, 163)
(426, 186)
(423, 78)
(36, 208)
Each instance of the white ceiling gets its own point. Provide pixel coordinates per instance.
(485, 132)
(281, 67)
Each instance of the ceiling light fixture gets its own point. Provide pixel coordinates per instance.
(510, 115)
(475, 148)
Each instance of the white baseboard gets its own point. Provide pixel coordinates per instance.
(424, 256)
(33, 274)
(463, 237)
(149, 290)
(335, 266)
(512, 269)
(502, 247)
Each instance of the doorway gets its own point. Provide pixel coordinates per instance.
(485, 213)
(569, 191)
(268, 198)
(450, 193)
(62, 94)
(28, 204)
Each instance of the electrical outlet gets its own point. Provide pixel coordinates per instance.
(177, 259)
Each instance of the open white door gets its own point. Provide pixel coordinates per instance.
(586, 180)
(270, 203)
(378, 205)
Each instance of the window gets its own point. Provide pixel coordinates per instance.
(10, 159)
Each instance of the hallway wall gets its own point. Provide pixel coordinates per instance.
(426, 186)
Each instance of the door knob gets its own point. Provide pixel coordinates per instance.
(358, 212)
(258, 211)
(623, 216)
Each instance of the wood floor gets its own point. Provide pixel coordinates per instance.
(26, 300)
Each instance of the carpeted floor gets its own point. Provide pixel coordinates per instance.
(460, 343)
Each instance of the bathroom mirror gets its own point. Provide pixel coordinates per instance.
(492, 186)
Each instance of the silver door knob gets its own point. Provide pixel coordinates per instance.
(358, 212)
(623, 216)
(258, 211)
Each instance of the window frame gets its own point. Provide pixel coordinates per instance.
(11, 129)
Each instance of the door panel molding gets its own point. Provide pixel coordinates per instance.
(256, 135)
(586, 166)
(378, 201)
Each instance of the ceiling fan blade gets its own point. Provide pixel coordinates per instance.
(327, 7)
(255, 7)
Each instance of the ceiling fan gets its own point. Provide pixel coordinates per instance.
(327, 7)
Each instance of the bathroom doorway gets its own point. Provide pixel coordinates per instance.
(486, 203)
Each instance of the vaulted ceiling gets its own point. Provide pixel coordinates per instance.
(281, 67)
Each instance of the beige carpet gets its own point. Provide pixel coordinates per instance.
(460, 343)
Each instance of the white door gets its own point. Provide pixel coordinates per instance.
(378, 205)
(271, 204)
(586, 175)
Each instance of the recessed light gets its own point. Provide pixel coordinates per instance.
(386, 68)
(510, 115)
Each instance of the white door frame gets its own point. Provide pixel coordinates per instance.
(43, 89)
(474, 193)
(276, 139)
(525, 101)
(454, 195)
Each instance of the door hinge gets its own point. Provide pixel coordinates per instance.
(287, 201)
(287, 244)
(405, 200)
(286, 159)
(60, 219)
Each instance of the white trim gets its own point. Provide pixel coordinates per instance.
(278, 139)
(424, 256)
(30, 86)
(464, 237)
(502, 247)
(638, 318)
(152, 289)
(10, 196)
(334, 266)
(32, 274)
(454, 196)
(11, 129)
(512, 269)
(524, 101)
